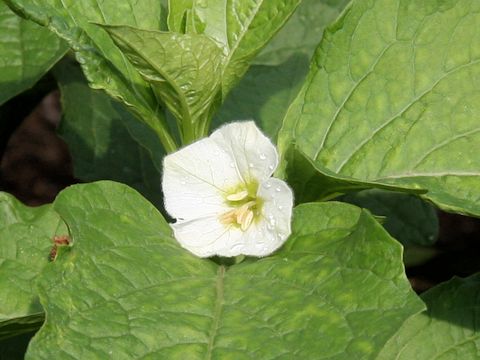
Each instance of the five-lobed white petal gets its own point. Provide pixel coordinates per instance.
(218, 181)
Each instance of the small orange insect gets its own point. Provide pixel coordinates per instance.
(58, 240)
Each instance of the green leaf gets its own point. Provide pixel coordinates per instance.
(447, 330)
(27, 52)
(264, 94)
(408, 219)
(311, 183)
(242, 27)
(302, 33)
(95, 128)
(184, 71)
(129, 291)
(26, 238)
(392, 97)
(103, 63)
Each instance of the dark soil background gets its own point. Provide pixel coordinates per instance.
(36, 165)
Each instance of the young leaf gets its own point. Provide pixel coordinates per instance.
(392, 97)
(184, 70)
(26, 238)
(103, 63)
(27, 52)
(447, 330)
(129, 291)
(96, 129)
(241, 27)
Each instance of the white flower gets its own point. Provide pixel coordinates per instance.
(221, 193)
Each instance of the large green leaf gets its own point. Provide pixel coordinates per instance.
(449, 329)
(126, 291)
(302, 33)
(393, 97)
(95, 128)
(184, 70)
(27, 52)
(242, 27)
(26, 238)
(103, 63)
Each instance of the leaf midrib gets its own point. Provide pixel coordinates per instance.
(217, 313)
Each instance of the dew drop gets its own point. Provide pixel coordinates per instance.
(271, 167)
(280, 207)
(250, 165)
(278, 189)
(263, 156)
(232, 164)
(268, 185)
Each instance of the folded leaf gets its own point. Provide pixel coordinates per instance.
(27, 52)
(129, 291)
(392, 97)
(184, 70)
(447, 330)
(26, 239)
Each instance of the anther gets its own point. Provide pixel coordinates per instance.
(241, 195)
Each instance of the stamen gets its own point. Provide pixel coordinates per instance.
(242, 216)
(242, 212)
(228, 217)
(247, 221)
(241, 195)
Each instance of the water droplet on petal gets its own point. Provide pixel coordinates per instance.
(271, 167)
(268, 185)
(280, 207)
(232, 164)
(278, 189)
(263, 156)
(250, 165)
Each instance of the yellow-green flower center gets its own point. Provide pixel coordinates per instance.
(245, 207)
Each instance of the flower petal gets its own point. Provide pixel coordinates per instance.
(255, 156)
(207, 237)
(195, 179)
